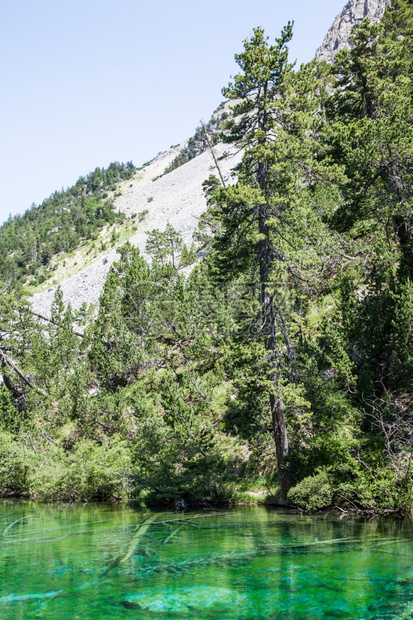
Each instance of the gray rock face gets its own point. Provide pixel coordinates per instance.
(354, 12)
(177, 198)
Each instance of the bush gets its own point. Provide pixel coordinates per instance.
(312, 493)
(92, 472)
(13, 470)
(171, 465)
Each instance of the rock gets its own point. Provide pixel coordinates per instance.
(199, 601)
(354, 12)
(157, 198)
(178, 198)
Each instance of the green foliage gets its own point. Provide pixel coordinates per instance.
(13, 469)
(60, 223)
(11, 418)
(286, 352)
(166, 246)
(91, 472)
(313, 493)
(184, 460)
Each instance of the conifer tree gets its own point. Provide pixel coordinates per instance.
(165, 246)
(371, 132)
(272, 121)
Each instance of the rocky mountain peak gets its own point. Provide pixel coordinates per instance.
(353, 13)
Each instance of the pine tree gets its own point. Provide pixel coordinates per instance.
(165, 246)
(371, 132)
(274, 120)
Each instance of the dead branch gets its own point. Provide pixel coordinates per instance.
(213, 153)
(45, 318)
(9, 362)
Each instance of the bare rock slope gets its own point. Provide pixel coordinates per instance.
(176, 197)
(353, 13)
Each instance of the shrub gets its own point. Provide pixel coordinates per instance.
(142, 215)
(172, 465)
(312, 493)
(13, 470)
(92, 472)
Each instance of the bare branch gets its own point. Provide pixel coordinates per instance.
(45, 318)
(9, 362)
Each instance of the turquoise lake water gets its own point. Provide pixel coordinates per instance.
(108, 562)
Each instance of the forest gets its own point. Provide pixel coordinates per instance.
(60, 224)
(277, 368)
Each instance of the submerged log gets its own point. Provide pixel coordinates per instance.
(141, 530)
(8, 528)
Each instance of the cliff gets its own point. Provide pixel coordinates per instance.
(353, 13)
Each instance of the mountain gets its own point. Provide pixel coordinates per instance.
(148, 201)
(280, 367)
(167, 189)
(354, 12)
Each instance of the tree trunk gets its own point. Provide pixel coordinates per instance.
(265, 259)
(9, 362)
(281, 440)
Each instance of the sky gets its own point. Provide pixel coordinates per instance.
(86, 82)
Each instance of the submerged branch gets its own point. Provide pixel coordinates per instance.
(141, 530)
(8, 528)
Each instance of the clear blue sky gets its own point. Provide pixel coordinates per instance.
(85, 83)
